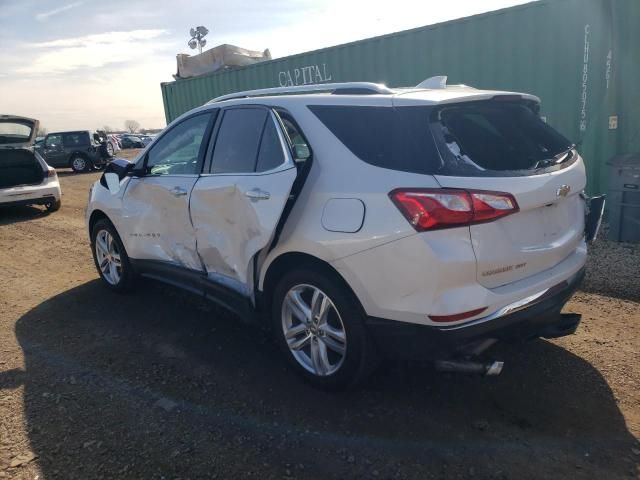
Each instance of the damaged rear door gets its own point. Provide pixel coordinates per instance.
(236, 206)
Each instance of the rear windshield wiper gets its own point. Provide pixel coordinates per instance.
(557, 159)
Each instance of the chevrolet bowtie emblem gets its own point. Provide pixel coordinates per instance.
(563, 191)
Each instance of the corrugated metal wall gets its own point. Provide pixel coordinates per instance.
(581, 57)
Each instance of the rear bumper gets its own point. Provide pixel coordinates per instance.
(539, 318)
(42, 194)
(33, 201)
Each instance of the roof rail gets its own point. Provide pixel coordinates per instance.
(346, 88)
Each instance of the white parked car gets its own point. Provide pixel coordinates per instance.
(25, 178)
(358, 220)
(112, 145)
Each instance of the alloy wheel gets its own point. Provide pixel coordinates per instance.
(313, 330)
(79, 164)
(108, 257)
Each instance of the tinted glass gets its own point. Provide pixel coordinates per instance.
(53, 140)
(236, 148)
(500, 136)
(177, 152)
(75, 139)
(271, 154)
(394, 138)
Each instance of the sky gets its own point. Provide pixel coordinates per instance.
(84, 64)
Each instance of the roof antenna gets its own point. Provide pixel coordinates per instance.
(438, 82)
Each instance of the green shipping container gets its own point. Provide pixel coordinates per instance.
(581, 57)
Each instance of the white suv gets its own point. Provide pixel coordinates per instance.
(358, 220)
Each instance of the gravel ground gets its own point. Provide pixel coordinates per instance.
(158, 384)
(614, 268)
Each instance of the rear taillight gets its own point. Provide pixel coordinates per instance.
(436, 208)
(51, 173)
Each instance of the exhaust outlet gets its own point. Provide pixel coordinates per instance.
(466, 366)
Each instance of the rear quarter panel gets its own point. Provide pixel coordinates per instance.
(337, 173)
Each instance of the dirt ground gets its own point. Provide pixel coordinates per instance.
(159, 384)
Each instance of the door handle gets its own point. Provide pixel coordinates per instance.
(256, 194)
(178, 191)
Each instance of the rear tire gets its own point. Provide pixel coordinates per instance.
(319, 325)
(110, 257)
(54, 206)
(79, 164)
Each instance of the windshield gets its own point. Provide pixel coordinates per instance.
(499, 136)
(12, 132)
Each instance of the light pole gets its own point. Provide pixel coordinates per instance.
(197, 37)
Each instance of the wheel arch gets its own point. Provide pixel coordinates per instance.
(288, 261)
(95, 216)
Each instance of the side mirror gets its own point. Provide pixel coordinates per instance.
(113, 182)
(114, 172)
(301, 152)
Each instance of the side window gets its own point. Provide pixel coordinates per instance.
(53, 140)
(236, 148)
(393, 138)
(294, 136)
(271, 154)
(75, 139)
(176, 153)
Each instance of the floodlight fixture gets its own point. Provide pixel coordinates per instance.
(197, 37)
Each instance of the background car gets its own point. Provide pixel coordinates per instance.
(146, 139)
(39, 144)
(131, 141)
(112, 144)
(80, 150)
(25, 178)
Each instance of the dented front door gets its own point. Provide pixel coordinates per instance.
(155, 224)
(156, 220)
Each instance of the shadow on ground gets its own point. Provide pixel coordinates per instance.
(157, 384)
(71, 173)
(9, 215)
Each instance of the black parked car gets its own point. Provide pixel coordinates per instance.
(79, 150)
(131, 141)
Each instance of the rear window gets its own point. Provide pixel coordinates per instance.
(387, 137)
(12, 132)
(481, 138)
(497, 136)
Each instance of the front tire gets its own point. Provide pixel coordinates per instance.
(319, 326)
(80, 164)
(110, 257)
